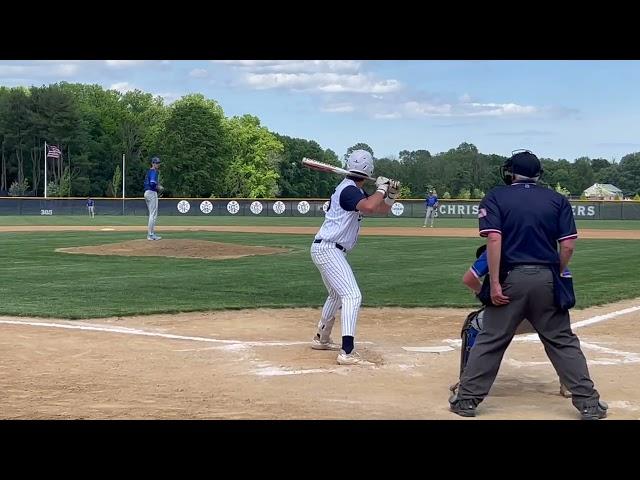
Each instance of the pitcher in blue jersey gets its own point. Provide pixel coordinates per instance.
(151, 189)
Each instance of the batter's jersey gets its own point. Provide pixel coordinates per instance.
(342, 220)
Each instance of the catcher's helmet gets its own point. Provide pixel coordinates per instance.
(360, 161)
(521, 162)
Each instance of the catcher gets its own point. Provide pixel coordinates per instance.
(473, 323)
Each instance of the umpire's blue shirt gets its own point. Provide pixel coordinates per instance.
(531, 219)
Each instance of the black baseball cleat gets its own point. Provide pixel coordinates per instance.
(464, 408)
(594, 412)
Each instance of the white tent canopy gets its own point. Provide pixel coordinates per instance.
(603, 191)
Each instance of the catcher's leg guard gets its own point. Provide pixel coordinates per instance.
(470, 329)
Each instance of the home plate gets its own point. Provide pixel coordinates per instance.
(438, 349)
(108, 229)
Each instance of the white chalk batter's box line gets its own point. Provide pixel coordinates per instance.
(231, 345)
(626, 357)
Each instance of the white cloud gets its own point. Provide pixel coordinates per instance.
(412, 109)
(122, 87)
(123, 63)
(499, 109)
(295, 66)
(65, 69)
(321, 82)
(338, 108)
(9, 70)
(40, 70)
(198, 73)
(427, 109)
(387, 116)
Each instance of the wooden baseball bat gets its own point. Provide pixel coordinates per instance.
(325, 167)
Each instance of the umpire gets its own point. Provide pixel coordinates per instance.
(524, 224)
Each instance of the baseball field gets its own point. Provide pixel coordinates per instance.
(214, 321)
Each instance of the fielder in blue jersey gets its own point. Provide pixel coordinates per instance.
(91, 207)
(151, 189)
(431, 204)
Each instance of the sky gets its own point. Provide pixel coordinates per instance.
(557, 109)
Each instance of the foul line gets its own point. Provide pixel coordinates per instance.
(627, 357)
(584, 323)
(133, 331)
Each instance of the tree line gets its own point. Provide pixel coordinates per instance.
(207, 154)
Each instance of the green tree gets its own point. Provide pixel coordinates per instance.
(297, 181)
(405, 192)
(194, 150)
(629, 169)
(598, 164)
(19, 189)
(561, 190)
(416, 170)
(464, 194)
(254, 158)
(116, 182)
(582, 175)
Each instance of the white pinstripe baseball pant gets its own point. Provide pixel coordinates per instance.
(341, 285)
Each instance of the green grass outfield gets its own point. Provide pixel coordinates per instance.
(391, 271)
(273, 221)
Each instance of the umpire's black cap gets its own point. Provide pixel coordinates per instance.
(526, 164)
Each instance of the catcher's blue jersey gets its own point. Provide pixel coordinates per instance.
(480, 267)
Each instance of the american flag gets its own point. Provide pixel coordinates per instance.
(53, 152)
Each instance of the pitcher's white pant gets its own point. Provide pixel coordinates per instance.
(151, 198)
(341, 285)
(91, 211)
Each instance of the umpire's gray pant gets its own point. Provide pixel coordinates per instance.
(530, 290)
(151, 198)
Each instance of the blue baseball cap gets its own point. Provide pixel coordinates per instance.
(155, 160)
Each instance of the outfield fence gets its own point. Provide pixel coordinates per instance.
(283, 207)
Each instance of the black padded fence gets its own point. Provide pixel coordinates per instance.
(286, 207)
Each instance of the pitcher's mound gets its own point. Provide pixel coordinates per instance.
(178, 248)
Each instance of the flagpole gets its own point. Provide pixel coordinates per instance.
(45, 169)
(123, 177)
(69, 155)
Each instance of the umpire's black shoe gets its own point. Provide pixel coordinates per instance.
(464, 408)
(594, 412)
